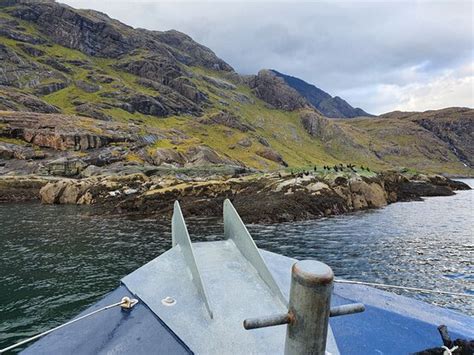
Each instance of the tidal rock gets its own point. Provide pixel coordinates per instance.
(91, 170)
(52, 191)
(73, 191)
(20, 188)
(365, 195)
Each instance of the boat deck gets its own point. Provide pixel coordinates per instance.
(195, 297)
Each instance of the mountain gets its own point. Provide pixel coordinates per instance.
(81, 93)
(329, 106)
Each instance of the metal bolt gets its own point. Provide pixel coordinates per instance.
(168, 301)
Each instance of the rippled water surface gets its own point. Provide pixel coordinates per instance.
(57, 260)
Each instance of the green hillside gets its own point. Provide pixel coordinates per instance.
(58, 60)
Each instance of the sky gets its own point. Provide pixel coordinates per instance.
(382, 56)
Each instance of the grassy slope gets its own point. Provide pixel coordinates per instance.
(399, 143)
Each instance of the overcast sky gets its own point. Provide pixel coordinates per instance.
(378, 55)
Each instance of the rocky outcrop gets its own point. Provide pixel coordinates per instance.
(168, 156)
(270, 154)
(49, 88)
(148, 105)
(455, 127)
(273, 90)
(93, 111)
(194, 156)
(203, 155)
(92, 190)
(65, 167)
(313, 123)
(227, 119)
(281, 197)
(160, 57)
(21, 188)
(60, 132)
(12, 100)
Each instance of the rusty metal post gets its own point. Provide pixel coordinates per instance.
(310, 300)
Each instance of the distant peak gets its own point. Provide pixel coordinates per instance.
(335, 107)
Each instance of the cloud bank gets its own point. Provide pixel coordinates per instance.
(378, 55)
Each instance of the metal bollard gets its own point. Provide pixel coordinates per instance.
(310, 300)
(309, 309)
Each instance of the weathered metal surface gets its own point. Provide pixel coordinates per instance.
(310, 301)
(241, 282)
(269, 321)
(346, 309)
(391, 324)
(235, 230)
(235, 289)
(180, 237)
(137, 331)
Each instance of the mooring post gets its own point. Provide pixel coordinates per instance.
(309, 309)
(310, 301)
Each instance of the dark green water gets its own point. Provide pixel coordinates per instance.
(57, 260)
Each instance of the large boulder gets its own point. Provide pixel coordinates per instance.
(73, 191)
(367, 195)
(272, 155)
(52, 191)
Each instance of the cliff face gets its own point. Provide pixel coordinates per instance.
(329, 106)
(98, 95)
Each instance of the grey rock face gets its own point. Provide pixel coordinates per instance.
(229, 120)
(12, 100)
(46, 89)
(329, 106)
(273, 90)
(148, 105)
(87, 87)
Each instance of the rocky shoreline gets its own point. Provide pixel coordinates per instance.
(259, 198)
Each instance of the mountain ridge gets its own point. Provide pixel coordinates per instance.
(333, 107)
(179, 105)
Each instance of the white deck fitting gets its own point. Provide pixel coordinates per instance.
(236, 282)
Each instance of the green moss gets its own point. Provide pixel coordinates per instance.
(12, 141)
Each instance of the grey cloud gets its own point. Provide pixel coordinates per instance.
(344, 47)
